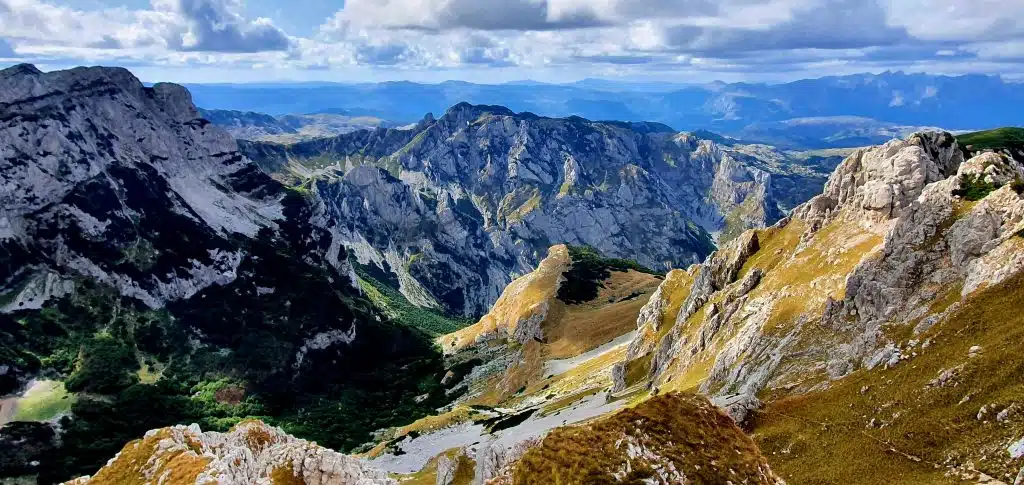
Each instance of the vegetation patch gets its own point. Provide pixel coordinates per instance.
(393, 302)
(974, 187)
(285, 475)
(587, 272)
(1000, 138)
(638, 369)
(44, 401)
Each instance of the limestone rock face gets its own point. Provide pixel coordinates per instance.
(117, 194)
(475, 197)
(891, 234)
(251, 453)
(881, 182)
(84, 149)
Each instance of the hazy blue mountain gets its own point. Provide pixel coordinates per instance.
(962, 102)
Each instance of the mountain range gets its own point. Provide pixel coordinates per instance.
(250, 125)
(450, 210)
(497, 297)
(893, 98)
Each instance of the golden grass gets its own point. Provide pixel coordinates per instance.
(519, 300)
(801, 282)
(560, 404)
(133, 464)
(433, 423)
(638, 369)
(595, 372)
(675, 289)
(285, 475)
(810, 438)
(572, 330)
(148, 374)
(685, 430)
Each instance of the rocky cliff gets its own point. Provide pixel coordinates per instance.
(164, 278)
(476, 197)
(867, 282)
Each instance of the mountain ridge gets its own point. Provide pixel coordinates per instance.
(512, 184)
(163, 277)
(913, 100)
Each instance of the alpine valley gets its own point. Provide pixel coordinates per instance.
(492, 297)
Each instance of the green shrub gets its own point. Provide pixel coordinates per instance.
(1018, 186)
(106, 367)
(974, 187)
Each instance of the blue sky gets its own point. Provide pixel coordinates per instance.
(503, 40)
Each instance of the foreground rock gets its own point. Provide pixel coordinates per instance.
(251, 453)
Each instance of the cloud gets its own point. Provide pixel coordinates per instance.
(514, 15)
(186, 25)
(525, 38)
(218, 26)
(6, 51)
(467, 14)
(835, 24)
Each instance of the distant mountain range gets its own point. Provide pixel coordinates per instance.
(879, 103)
(249, 125)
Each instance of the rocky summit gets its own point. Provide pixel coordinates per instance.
(499, 298)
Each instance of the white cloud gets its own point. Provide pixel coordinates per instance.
(522, 38)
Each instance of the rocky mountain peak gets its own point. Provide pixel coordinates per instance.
(20, 70)
(62, 128)
(881, 182)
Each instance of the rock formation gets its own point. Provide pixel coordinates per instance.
(669, 439)
(252, 453)
(457, 206)
(903, 236)
(141, 255)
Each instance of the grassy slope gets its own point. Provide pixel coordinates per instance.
(43, 402)
(997, 138)
(826, 437)
(395, 305)
(682, 429)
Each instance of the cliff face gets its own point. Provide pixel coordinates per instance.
(479, 194)
(904, 236)
(145, 262)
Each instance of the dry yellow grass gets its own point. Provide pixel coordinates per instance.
(572, 330)
(521, 298)
(464, 470)
(800, 282)
(920, 428)
(681, 429)
(134, 463)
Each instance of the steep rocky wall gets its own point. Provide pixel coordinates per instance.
(812, 298)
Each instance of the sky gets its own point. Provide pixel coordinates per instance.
(496, 41)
